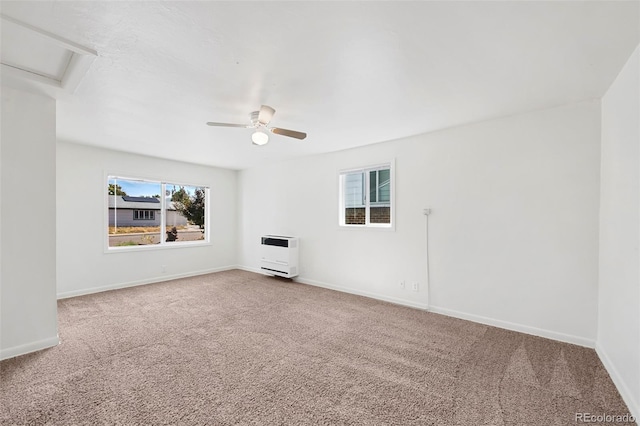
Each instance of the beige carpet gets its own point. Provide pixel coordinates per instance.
(240, 348)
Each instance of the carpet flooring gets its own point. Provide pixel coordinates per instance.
(241, 348)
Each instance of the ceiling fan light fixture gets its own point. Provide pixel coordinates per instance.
(259, 138)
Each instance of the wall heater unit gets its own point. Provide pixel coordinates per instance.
(279, 255)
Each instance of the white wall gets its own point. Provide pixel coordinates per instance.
(619, 284)
(28, 306)
(513, 233)
(83, 265)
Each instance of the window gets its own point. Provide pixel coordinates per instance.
(144, 213)
(366, 196)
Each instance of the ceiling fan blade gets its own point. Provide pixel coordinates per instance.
(266, 114)
(211, 123)
(290, 133)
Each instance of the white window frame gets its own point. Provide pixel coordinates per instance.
(163, 217)
(367, 203)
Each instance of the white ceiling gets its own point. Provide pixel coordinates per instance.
(347, 73)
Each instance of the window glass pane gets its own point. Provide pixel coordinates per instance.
(132, 206)
(373, 186)
(354, 198)
(384, 186)
(380, 212)
(185, 213)
(354, 190)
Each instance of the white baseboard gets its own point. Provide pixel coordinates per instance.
(618, 380)
(85, 291)
(29, 347)
(554, 335)
(576, 340)
(342, 289)
(372, 295)
(377, 296)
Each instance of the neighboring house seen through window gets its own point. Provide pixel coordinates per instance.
(144, 213)
(366, 196)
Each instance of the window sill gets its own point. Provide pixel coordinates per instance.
(388, 228)
(152, 247)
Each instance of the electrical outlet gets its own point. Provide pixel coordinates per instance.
(414, 286)
(426, 212)
(164, 268)
(402, 285)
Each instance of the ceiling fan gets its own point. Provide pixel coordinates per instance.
(260, 121)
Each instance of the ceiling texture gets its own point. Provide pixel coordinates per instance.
(347, 73)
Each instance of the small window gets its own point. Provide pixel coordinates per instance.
(366, 196)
